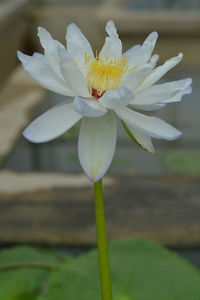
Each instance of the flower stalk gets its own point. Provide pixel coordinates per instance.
(104, 267)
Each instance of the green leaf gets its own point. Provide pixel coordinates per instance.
(22, 283)
(141, 270)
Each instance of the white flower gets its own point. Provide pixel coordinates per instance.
(104, 86)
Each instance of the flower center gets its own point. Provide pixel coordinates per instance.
(104, 74)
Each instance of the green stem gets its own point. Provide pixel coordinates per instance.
(106, 289)
(16, 265)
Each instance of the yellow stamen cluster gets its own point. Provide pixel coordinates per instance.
(104, 74)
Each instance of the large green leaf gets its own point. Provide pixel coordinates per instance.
(22, 283)
(141, 270)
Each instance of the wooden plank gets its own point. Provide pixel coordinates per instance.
(18, 97)
(172, 22)
(178, 30)
(12, 11)
(165, 209)
(13, 30)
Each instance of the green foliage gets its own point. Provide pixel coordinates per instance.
(141, 270)
(24, 283)
(185, 162)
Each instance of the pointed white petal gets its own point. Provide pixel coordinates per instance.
(96, 145)
(50, 49)
(134, 78)
(44, 36)
(151, 126)
(153, 60)
(140, 138)
(163, 93)
(150, 43)
(73, 75)
(178, 96)
(139, 55)
(77, 45)
(114, 98)
(144, 140)
(111, 29)
(52, 123)
(112, 48)
(132, 52)
(89, 107)
(157, 73)
(40, 71)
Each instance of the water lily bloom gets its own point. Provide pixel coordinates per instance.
(104, 86)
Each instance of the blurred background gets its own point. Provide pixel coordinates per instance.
(43, 196)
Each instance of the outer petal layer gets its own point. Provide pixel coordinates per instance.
(140, 138)
(143, 140)
(89, 107)
(151, 126)
(96, 145)
(163, 93)
(148, 107)
(52, 123)
(160, 71)
(50, 50)
(40, 71)
(139, 55)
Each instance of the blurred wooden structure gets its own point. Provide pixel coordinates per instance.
(60, 209)
(17, 99)
(13, 29)
(178, 30)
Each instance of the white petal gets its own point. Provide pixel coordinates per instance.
(114, 98)
(50, 49)
(139, 55)
(160, 71)
(44, 36)
(163, 93)
(40, 56)
(96, 145)
(132, 52)
(112, 48)
(73, 75)
(89, 107)
(111, 29)
(52, 123)
(151, 126)
(144, 140)
(153, 60)
(134, 78)
(77, 45)
(140, 138)
(149, 44)
(149, 107)
(40, 71)
(178, 96)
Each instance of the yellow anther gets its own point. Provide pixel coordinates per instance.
(105, 75)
